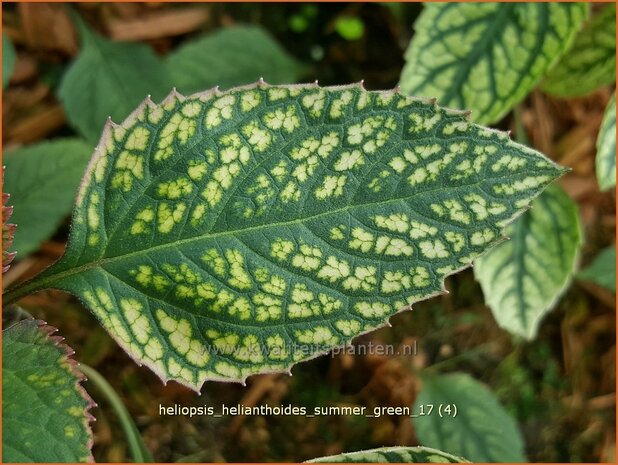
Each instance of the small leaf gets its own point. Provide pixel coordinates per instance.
(8, 230)
(523, 278)
(108, 79)
(227, 234)
(606, 148)
(602, 270)
(8, 60)
(591, 62)
(44, 407)
(487, 57)
(43, 180)
(481, 430)
(392, 455)
(231, 57)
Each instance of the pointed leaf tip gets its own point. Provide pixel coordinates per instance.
(217, 223)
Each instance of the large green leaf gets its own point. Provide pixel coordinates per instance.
(602, 270)
(606, 148)
(591, 62)
(478, 428)
(109, 79)
(227, 234)
(43, 180)
(8, 60)
(487, 56)
(392, 455)
(44, 408)
(523, 278)
(231, 57)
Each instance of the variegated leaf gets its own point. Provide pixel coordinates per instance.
(606, 148)
(476, 426)
(226, 234)
(591, 62)
(45, 414)
(392, 455)
(486, 57)
(523, 278)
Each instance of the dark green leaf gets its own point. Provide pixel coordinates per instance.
(231, 57)
(602, 270)
(481, 430)
(591, 62)
(523, 278)
(44, 408)
(227, 234)
(392, 455)
(109, 79)
(43, 180)
(487, 56)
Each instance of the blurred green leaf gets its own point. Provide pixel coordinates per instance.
(109, 79)
(523, 278)
(8, 60)
(591, 62)
(486, 57)
(350, 27)
(43, 179)
(392, 455)
(44, 407)
(481, 431)
(231, 57)
(606, 148)
(602, 270)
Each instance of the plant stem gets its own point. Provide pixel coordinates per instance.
(136, 445)
(15, 293)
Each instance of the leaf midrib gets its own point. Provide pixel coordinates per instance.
(48, 280)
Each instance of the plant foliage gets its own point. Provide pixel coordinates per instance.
(231, 57)
(43, 183)
(602, 270)
(108, 79)
(523, 278)
(487, 57)
(228, 234)
(44, 408)
(8, 60)
(481, 431)
(591, 62)
(606, 148)
(8, 230)
(392, 455)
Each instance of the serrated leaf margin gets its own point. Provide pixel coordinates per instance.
(174, 95)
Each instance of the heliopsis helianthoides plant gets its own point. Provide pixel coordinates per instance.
(229, 233)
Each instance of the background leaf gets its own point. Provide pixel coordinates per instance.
(606, 148)
(591, 62)
(482, 431)
(109, 79)
(43, 179)
(227, 234)
(602, 270)
(230, 57)
(44, 408)
(487, 57)
(523, 278)
(8, 60)
(392, 455)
